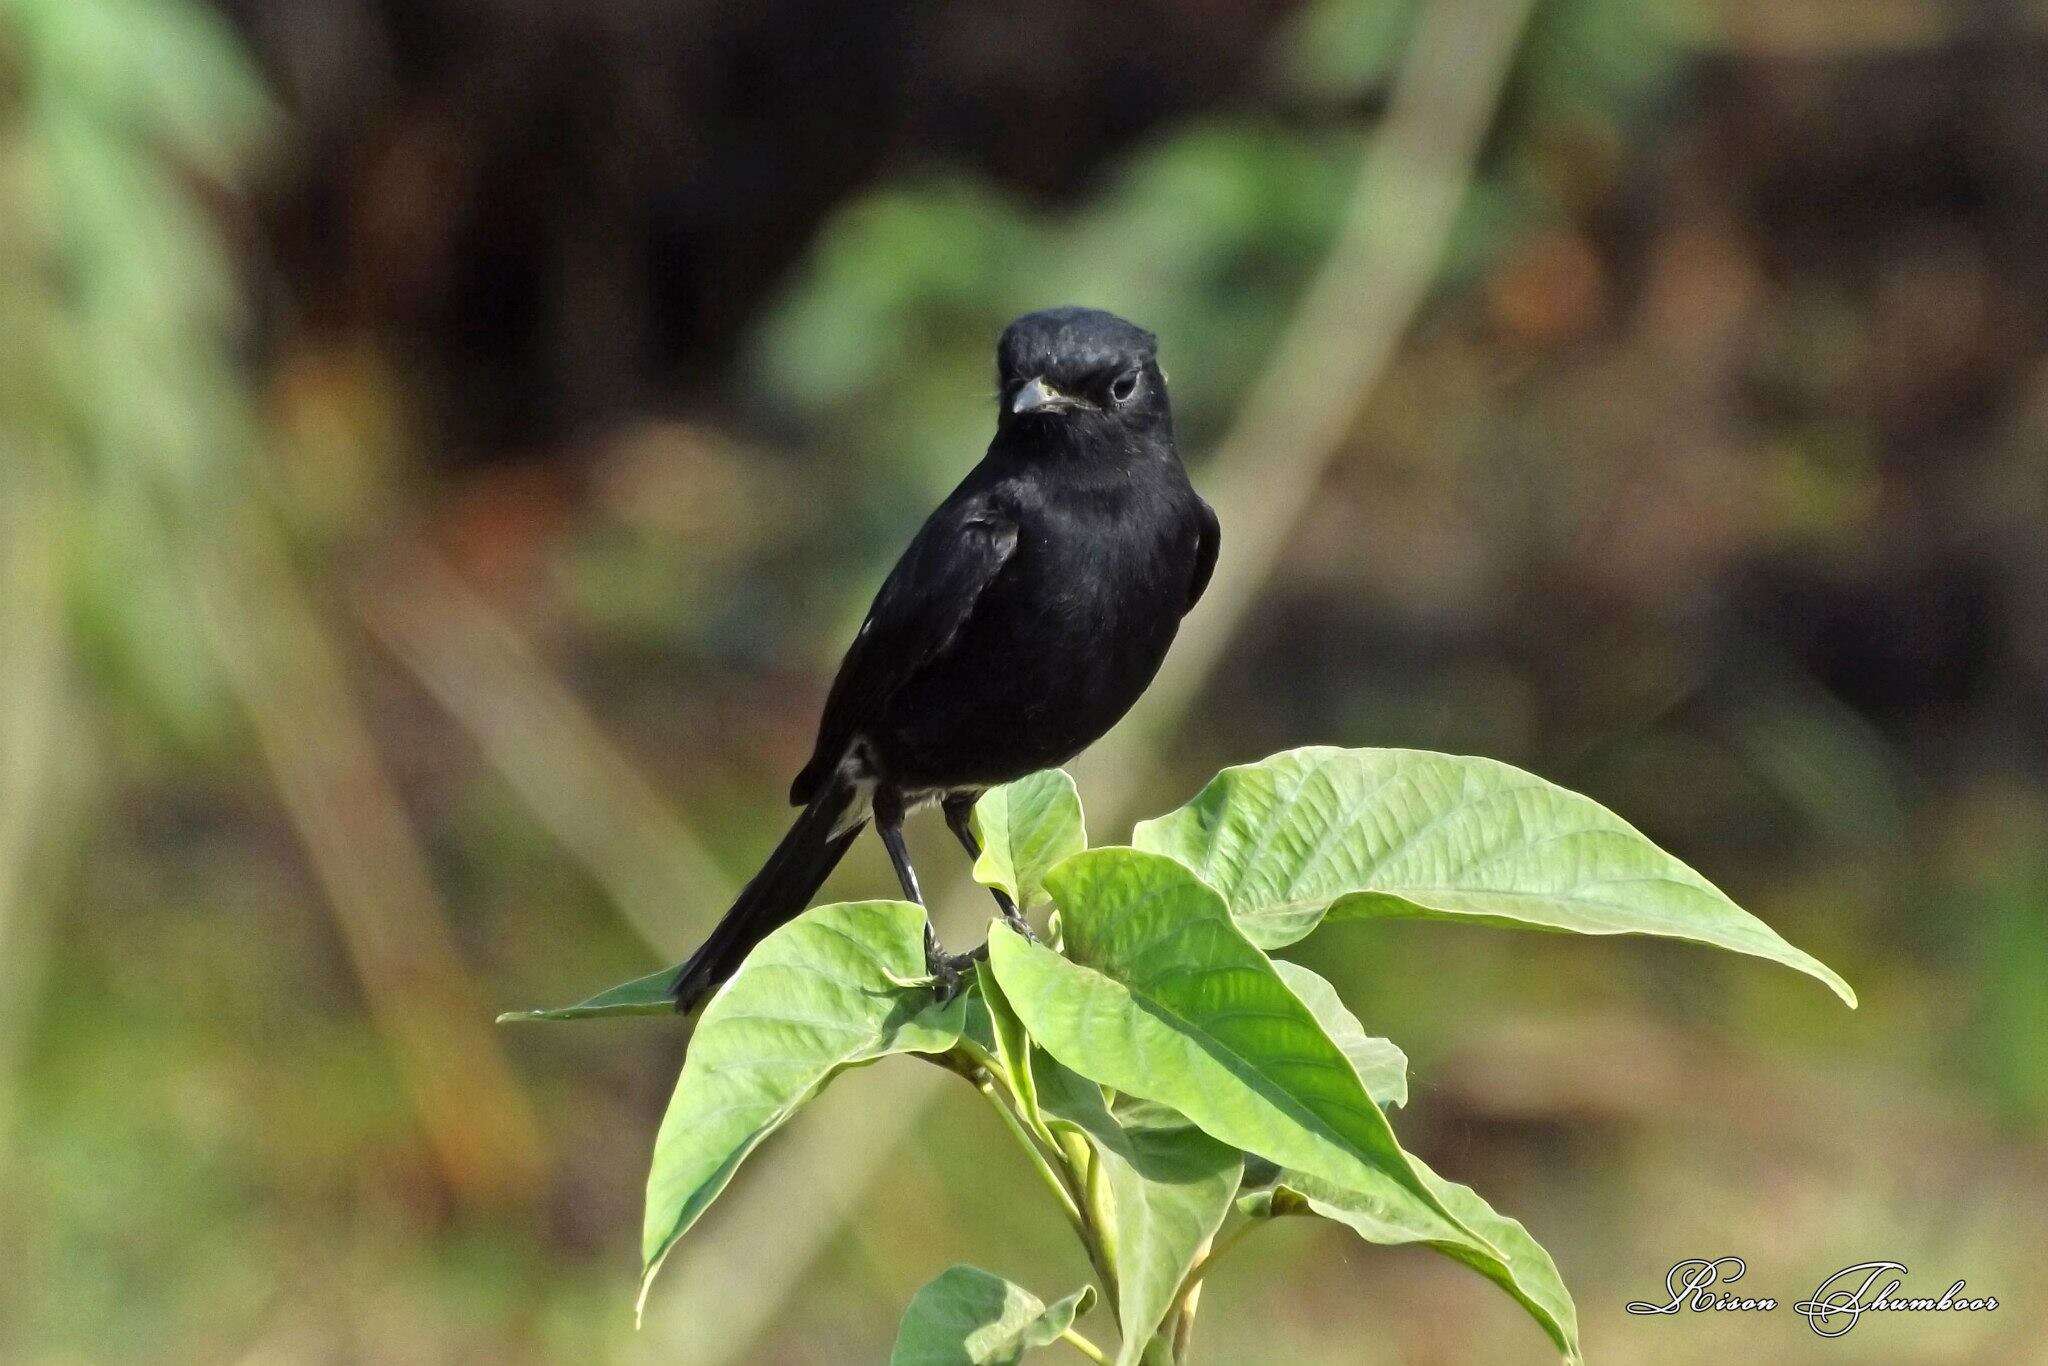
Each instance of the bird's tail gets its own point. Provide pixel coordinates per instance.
(776, 895)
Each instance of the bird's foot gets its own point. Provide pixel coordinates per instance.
(1014, 918)
(948, 971)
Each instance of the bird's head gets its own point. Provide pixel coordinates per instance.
(1081, 369)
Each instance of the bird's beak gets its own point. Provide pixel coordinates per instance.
(1039, 396)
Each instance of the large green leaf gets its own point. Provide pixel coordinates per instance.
(1381, 1064)
(649, 995)
(968, 1317)
(1363, 833)
(1508, 1256)
(823, 993)
(1164, 998)
(1025, 828)
(1169, 1187)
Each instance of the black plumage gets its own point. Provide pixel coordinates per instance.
(1030, 612)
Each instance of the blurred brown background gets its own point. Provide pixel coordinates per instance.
(444, 444)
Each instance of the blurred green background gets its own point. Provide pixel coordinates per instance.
(445, 443)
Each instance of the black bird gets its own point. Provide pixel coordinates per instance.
(1028, 615)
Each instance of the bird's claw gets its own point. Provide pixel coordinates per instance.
(948, 973)
(1015, 920)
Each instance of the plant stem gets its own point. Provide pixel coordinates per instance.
(1062, 1188)
(1090, 1179)
(1053, 1180)
(1222, 1245)
(1084, 1346)
(1185, 1299)
(1184, 1326)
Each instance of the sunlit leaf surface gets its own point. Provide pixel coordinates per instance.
(823, 993)
(1388, 833)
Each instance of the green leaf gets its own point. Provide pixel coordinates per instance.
(649, 995)
(968, 1317)
(995, 1029)
(1167, 1000)
(1508, 1256)
(819, 995)
(1025, 828)
(1387, 833)
(1381, 1064)
(1169, 1187)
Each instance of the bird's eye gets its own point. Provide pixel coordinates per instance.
(1123, 386)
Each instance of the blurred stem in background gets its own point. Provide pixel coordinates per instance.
(1294, 420)
(362, 847)
(600, 808)
(132, 413)
(32, 719)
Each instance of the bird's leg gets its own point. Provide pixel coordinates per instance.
(890, 828)
(946, 969)
(958, 809)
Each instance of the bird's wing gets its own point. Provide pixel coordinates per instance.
(1205, 554)
(921, 607)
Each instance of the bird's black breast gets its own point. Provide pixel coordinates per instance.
(1061, 643)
